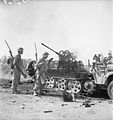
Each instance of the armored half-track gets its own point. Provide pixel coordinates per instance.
(66, 74)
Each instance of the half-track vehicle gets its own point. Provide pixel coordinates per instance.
(64, 74)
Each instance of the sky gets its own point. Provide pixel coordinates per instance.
(83, 27)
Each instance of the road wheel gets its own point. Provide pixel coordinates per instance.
(74, 86)
(50, 82)
(88, 86)
(61, 85)
(110, 90)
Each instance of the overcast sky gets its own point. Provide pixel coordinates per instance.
(84, 27)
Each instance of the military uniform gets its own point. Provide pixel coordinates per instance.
(41, 73)
(18, 70)
(110, 57)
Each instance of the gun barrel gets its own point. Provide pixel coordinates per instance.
(50, 48)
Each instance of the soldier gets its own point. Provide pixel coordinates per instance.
(18, 70)
(110, 57)
(42, 66)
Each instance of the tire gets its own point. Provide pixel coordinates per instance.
(110, 90)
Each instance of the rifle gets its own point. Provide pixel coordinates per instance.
(10, 60)
(36, 51)
(9, 49)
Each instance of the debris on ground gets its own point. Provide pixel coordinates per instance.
(87, 103)
(67, 97)
(23, 107)
(48, 111)
(53, 104)
(14, 101)
(64, 104)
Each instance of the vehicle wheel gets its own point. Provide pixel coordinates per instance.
(88, 86)
(74, 86)
(110, 90)
(50, 82)
(61, 84)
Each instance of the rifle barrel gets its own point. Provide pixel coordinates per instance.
(7, 45)
(35, 47)
(9, 49)
(35, 51)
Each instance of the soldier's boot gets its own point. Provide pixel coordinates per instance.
(42, 91)
(15, 92)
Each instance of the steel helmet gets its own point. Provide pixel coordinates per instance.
(20, 49)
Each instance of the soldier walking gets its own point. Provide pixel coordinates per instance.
(18, 70)
(42, 66)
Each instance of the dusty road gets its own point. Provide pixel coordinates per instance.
(28, 107)
(25, 106)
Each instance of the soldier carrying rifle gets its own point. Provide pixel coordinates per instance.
(18, 69)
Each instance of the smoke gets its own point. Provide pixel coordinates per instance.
(73, 55)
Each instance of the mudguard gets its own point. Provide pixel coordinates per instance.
(30, 68)
(106, 77)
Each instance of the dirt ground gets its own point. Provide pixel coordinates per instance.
(25, 106)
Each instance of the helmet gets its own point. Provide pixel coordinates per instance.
(20, 49)
(46, 53)
(110, 52)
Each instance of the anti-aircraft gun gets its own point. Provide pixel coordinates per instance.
(66, 60)
(68, 74)
(63, 58)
